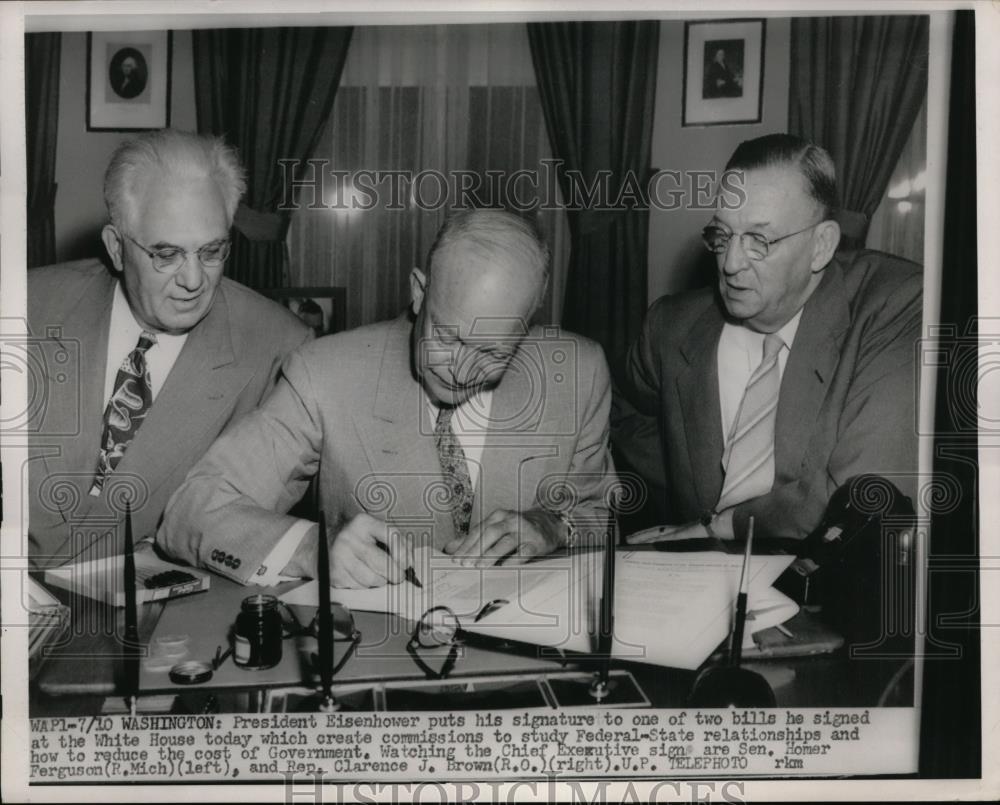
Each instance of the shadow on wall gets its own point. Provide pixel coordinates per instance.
(82, 244)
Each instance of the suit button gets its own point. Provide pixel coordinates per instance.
(215, 555)
(229, 560)
(236, 563)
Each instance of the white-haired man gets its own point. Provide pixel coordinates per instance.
(459, 425)
(160, 352)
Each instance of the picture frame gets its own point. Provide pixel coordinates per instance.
(723, 72)
(331, 303)
(128, 80)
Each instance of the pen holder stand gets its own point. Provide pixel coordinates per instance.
(586, 690)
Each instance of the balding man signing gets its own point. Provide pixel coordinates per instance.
(455, 423)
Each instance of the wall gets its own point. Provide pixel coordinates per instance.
(677, 260)
(82, 156)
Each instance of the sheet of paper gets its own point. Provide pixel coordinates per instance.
(465, 590)
(671, 609)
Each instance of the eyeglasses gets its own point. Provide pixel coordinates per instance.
(172, 258)
(439, 627)
(754, 244)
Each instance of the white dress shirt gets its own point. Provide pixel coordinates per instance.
(123, 335)
(470, 425)
(740, 352)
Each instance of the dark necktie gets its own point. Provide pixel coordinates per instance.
(455, 470)
(130, 402)
(749, 458)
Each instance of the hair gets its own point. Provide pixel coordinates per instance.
(493, 232)
(172, 154)
(813, 163)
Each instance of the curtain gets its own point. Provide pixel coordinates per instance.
(857, 84)
(441, 106)
(41, 125)
(597, 83)
(897, 225)
(951, 689)
(269, 91)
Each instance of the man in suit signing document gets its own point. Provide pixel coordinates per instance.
(455, 423)
(143, 363)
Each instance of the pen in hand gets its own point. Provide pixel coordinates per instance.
(409, 574)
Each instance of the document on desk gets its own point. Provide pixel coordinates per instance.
(671, 609)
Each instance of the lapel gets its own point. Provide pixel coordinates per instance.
(398, 437)
(698, 390)
(83, 333)
(199, 390)
(810, 367)
(515, 418)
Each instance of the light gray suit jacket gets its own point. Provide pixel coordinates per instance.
(347, 406)
(228, 363)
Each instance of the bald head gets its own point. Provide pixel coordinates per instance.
(486, 276)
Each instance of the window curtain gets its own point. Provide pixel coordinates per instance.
(857, 84)
(41, 126)
(597, 83)
(269, 92)
(897, 225)
(952, 703)
(433, 104)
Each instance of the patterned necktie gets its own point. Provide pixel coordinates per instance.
(130, 402)
(455, 470)
(749, 457)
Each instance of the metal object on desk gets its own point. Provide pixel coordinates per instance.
(731, 685)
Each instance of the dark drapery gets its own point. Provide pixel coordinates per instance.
(856, 87)
(950, 744)
(597, 81)
(41, 95)
(269, 92)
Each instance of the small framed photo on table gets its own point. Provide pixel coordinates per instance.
(128, 80)
(723, 72)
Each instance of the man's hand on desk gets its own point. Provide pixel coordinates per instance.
(722, 528)
(509, 536)
(356, 558)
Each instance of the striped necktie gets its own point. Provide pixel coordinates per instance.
(748, 459)
(455, 470)
(130, 402)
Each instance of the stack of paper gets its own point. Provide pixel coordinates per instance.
(671, 609)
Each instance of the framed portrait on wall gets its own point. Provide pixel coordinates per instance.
(324, 310)
(723, 72)
(128, 80)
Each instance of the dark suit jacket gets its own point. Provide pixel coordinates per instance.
(348, 406)
(847, 404)
(229, 361)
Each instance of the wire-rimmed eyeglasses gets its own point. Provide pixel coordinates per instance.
(170, 259)
(438, 627)
(754, 244)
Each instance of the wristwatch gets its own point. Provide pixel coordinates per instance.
(571, 534)
(707, 519)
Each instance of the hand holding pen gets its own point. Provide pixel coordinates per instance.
(365, 552)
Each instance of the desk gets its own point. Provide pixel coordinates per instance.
(83, 670)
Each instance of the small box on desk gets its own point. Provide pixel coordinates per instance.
(103, 579)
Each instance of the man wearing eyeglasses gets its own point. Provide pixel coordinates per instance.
(142, 366)
(458, 426)
(790, 376)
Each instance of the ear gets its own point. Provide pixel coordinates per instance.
(113, 243)
(825, 243)
(418, 287)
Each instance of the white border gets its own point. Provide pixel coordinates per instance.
(122, 15)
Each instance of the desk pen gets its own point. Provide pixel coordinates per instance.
(409, 574)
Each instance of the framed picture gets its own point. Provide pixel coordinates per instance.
(128, 80)
(723, 72)
(322, 309)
